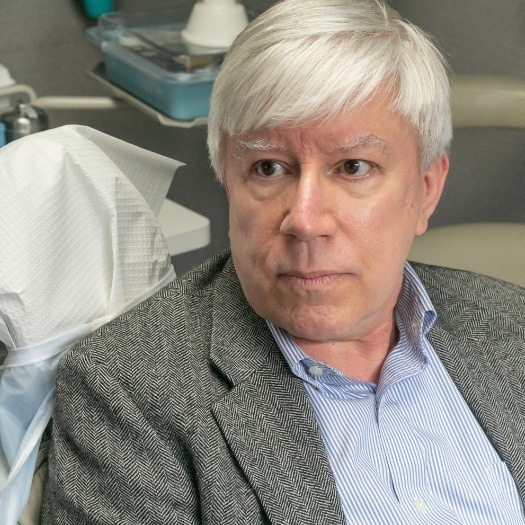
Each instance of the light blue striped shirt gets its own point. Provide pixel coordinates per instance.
(407, 451)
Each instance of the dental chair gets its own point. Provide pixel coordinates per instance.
(80, 244)
(496, 249)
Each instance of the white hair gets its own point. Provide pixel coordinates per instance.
(305, 60)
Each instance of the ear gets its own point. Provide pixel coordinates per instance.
(435, 177)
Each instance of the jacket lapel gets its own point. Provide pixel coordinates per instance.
(484, 369)
(479, 336)
(266, 417)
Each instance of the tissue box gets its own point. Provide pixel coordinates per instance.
(144, 55)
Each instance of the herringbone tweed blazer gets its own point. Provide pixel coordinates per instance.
(183, 411)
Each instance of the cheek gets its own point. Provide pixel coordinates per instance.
(251, 248)
(239, 227)
(385, 227)
(248, 229)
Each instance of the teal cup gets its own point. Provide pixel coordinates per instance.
(95, 8)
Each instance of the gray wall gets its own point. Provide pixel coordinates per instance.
(487, 176)
(42, 43)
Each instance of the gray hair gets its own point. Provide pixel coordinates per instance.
(304, 60)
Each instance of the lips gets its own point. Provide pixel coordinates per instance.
(310, 274)
(315, 279)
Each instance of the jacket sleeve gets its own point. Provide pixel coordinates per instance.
(118, 453)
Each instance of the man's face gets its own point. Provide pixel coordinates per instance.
(322, 218)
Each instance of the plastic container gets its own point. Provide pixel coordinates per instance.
(180, 95)
(145, 55)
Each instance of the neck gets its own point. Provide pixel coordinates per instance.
(360, 359)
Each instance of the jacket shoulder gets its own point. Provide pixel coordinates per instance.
(171, 318)
(459, 294)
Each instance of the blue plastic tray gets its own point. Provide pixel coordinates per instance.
(180, 95)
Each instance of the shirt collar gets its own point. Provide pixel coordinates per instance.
(414, 309)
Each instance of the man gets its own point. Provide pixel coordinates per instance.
(311, 376)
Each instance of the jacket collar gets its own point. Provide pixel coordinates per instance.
(266, 417)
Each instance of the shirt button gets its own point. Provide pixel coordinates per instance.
(316, 370)
(420, 505)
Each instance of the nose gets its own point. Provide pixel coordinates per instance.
(310, 210)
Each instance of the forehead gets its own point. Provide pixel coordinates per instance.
(370, 127)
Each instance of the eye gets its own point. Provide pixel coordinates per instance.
(268, 168)
(356, 167)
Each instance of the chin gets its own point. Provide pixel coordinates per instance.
(312, 326)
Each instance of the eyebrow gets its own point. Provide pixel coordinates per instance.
(362, 142)
(259, 145)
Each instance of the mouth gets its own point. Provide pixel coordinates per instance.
(311, 280)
